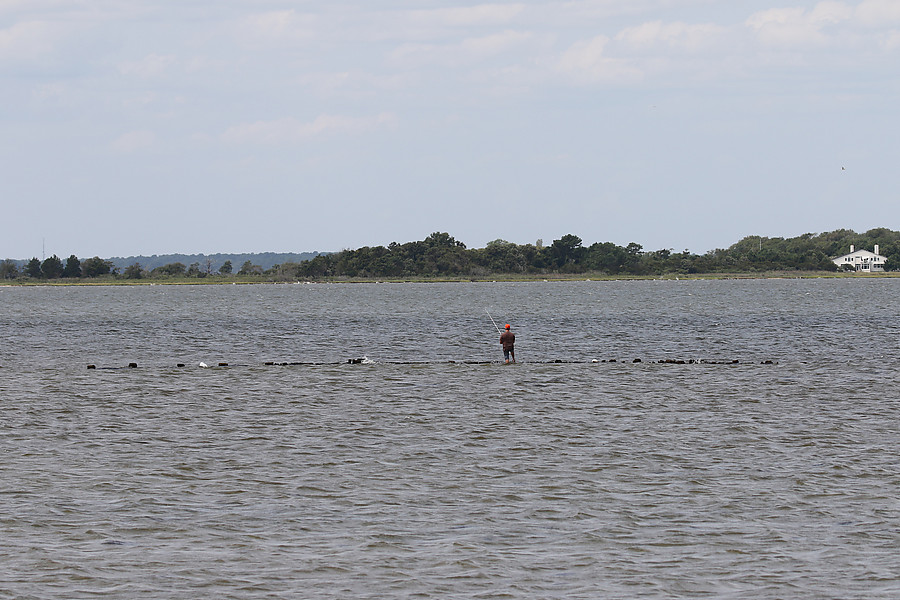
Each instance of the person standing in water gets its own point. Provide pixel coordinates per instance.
(508, 342)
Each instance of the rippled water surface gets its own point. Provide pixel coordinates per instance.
(434, 471)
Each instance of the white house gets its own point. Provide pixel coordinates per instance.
(862, 260)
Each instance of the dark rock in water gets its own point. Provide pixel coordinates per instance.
(179, 365)
(269, 364)
(223, 364)
(354, 361)
(132, 365)
(768, 362)
(637, 360)
(92, 366)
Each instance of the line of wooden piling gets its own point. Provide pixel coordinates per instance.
(360, 361)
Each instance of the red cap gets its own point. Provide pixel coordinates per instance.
(507, 325)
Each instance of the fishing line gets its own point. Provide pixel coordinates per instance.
(492, 320)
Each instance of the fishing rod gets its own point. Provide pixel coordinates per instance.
(492, 320)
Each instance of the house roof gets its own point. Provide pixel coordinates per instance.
(861, 254)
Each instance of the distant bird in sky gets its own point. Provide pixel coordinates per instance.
(843, 169)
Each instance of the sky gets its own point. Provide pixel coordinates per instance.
(204, 126)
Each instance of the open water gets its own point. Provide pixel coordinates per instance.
(434, 471)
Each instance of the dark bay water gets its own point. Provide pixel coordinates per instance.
(417, 477)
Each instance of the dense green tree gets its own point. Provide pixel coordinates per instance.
(226, 268)
(72, 268)
(285, 271)
(892, 253)
(320, 266)
(52, 267)
(446, 240)
(194, 270)
(566, 250)
(9, 269)
(95, 267)
(134, 271)
(33, 269)
(500, 256)
(248, 268)
(606, 257)
(175, 269)
(362, 262)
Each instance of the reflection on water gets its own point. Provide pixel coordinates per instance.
(420, 477)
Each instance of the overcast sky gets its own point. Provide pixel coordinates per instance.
(138, 127)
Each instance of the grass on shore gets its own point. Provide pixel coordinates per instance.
(241, 280)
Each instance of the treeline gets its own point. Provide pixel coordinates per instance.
(441, 255)
(265, 260)
(91, 268)
(55, 268)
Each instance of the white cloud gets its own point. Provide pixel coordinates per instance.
(601, 9)
(674, 35)
(133, 141)
(783, 26)
(830, 13)
(467, 16)
(468, 51)
(797, 26)
(286, 26)
(587, 62)
(497, 43)
(878, 12)
(27, 41)
(290, 130)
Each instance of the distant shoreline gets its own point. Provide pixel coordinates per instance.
(440, 257)
(493, 279)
